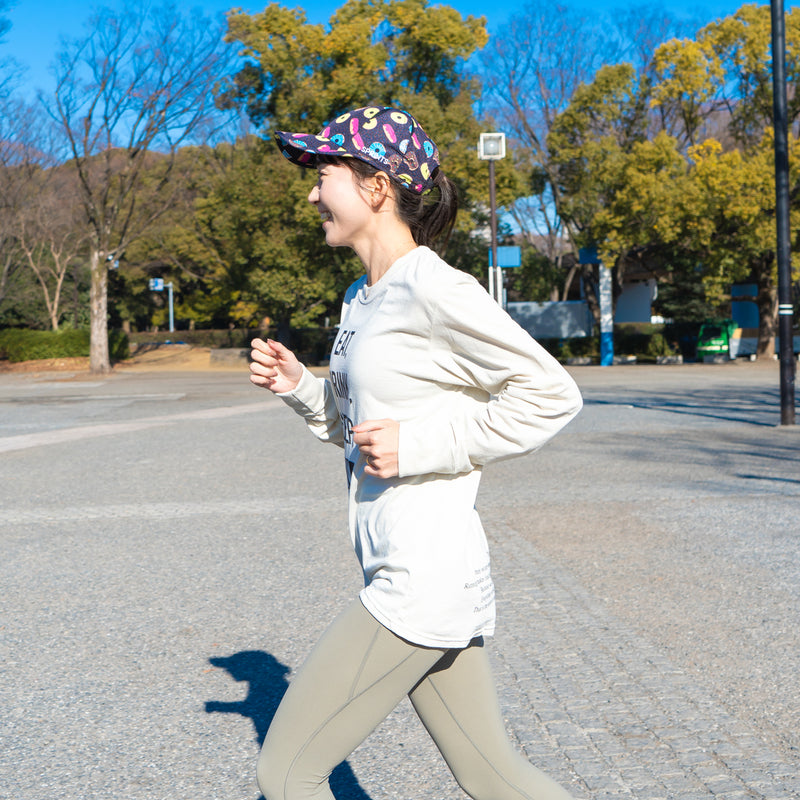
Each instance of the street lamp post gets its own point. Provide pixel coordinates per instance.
(158, 285)
(491, 148)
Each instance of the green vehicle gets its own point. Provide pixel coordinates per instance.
(715, 339)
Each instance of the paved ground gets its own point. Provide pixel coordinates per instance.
(173, 542)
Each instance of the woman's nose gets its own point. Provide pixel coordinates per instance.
(313, 195)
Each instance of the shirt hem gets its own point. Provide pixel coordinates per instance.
(420, 639)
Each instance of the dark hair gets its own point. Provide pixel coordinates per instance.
(430, 216)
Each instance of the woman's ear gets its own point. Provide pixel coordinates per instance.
(380, 188)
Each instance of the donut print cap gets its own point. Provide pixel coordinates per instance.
(387, 138)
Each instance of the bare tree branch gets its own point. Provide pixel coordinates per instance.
(531, 70)
(129, 94)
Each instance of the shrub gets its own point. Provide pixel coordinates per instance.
(645, 341)
(25, 345)
(225, 337)
(312, 345)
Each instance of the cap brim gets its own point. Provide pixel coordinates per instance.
(303, 148)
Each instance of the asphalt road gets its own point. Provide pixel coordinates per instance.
(174, 542)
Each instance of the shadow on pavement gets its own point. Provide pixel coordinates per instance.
(759, 407)
(266, 679)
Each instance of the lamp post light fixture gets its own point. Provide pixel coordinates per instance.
(491, 148)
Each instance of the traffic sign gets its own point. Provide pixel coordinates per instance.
(507, 257)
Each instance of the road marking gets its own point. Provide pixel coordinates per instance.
(168, 510)
(24, 441)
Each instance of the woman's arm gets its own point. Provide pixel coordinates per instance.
(276, 368)
(530, 396)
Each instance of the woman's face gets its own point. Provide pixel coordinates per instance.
(342, 205)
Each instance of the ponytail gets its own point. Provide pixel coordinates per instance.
(430, 216)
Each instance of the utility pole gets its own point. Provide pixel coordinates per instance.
(787, 359)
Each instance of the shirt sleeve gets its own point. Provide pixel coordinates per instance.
(314, 400)
(523, 396)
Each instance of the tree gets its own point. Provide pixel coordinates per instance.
(374, 51)
(723, 77)
(529, 77)
(23, 156)
(735, 223)
(532, 71)
(673, 168)
(230, 251)
(296, 76)
(135, 85)
(39, 229)
(49, 234)
(719, 88)
(590, 143)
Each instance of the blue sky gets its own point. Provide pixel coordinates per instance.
(38, 25)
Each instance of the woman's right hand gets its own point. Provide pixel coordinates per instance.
(274, 366)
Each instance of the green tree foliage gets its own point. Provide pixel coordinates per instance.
(244, 244)
(719, 84)
(265, 236)
(677, 175)
(533, 68)
(590, 140)
(373, 51)
(297, 75)
(591, 143)
(230, 225)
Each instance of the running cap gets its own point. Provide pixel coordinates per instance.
(386, 138)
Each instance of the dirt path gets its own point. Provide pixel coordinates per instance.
(164, 357)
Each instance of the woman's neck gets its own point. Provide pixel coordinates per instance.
(378, 253)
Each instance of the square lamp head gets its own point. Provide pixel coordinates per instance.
(492, 146)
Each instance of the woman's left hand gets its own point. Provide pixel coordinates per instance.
(377, 441)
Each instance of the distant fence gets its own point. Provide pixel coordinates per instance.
(569, 319)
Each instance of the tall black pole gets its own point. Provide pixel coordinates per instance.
(782, 212)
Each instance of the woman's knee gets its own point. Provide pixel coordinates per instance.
(271, 777)
(279, 780)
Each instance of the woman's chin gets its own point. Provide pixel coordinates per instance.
(332, 241)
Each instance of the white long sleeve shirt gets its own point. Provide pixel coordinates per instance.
(427, 347)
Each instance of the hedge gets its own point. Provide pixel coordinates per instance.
(312, 345)
(645, 341)
(201, 337)
(25, 345)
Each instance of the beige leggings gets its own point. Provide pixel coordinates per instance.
(357, 673)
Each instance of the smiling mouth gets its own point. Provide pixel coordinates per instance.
(325, 216)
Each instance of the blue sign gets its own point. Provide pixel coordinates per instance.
(507, 257)
(156, 284)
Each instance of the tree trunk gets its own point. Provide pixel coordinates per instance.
(568, 282)
(767, 302)
(99, 361)
(284, 332)
(590, 290)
